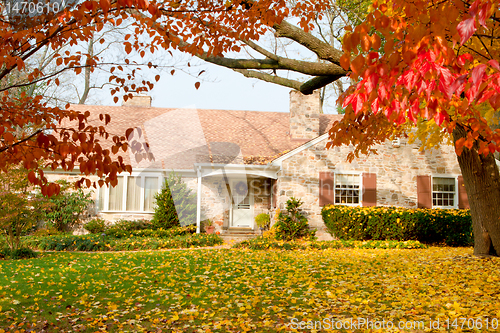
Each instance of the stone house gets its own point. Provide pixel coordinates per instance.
(242, 163)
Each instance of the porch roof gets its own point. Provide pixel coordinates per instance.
(212, 169)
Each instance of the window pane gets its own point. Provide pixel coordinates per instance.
(116, 196)
(150, 189)
(443, 191)
(347, 189)
(133, 194)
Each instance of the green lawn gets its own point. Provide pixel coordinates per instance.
(229, 290)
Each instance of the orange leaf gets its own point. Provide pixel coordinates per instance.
(197, 85)
(357, 64)
(32, 177)
(128, 48)
(375, 39)
(345, 61)
(152, 9)
(469, 143)
(366, 43)
(105, 4)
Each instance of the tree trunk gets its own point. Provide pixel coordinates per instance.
(482, 183)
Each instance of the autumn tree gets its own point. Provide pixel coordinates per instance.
(19, 208)
(438, 72)
(204, 28)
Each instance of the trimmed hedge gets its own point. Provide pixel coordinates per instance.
(434, 226)
(263, 243)
(104, 243)
(119, 232)
(21, 253)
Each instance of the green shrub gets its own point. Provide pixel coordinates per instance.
(263, 243)
(21, 253)
(177, 242)
(449, 226)
(125, 228)
(292, 224)
(175, 204)
(95, 226)
(104, 243)
(46, 232)
(68, 242)
(154, 233)
(263, 220)
(66, 208)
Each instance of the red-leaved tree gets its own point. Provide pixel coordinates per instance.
(436, 71)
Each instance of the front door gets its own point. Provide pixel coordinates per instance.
(242, 204)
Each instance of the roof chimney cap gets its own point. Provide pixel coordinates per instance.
(138, 100)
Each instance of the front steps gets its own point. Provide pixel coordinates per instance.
(239, 234)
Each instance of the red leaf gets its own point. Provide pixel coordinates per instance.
(464, 58)
(409, 79)
(348, 100)
(439, 118)
(493, 63)
(382, 92)
(466, 29)
(484, 13)
(375, 106)
(478, 73)
(412, 118)
(197, 85)
(459, 81)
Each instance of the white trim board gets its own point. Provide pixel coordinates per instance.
(309, 144)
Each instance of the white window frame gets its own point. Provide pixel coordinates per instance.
(348, 173)
(455, 196)
(125, 176)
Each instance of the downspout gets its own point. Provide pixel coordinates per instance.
(198, 200)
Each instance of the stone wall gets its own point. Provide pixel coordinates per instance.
(304, 115)
(396, 168)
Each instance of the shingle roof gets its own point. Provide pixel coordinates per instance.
(180, 137)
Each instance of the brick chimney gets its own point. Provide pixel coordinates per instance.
(143, 101)
(304, 115)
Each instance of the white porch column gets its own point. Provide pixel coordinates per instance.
(198, 201)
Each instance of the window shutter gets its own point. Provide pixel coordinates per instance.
(424, 192)
(275, 193)
(326, 190)
(463, 200)
(369, 189)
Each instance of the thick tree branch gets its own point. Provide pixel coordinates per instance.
(323, 50)
(317, 82)
(270, 78)
(304, 67)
